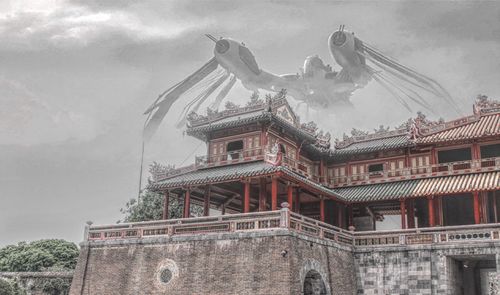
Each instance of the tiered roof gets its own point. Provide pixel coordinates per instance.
(236, 172)
(273, 109)
(485, 122)
(422, 187)
(382, 139)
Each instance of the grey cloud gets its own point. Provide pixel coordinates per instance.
(127, 52)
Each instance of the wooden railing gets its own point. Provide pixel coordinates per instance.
(301, 167)
(198, 225)
(284, 219)
(430, 235)
(478, 165)
(233, 157)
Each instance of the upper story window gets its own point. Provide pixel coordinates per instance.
(233, 149)
(376, 169)
(455, 155)
(490, 151)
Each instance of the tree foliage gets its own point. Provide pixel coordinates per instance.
(11, 287)
(52, 254)
(150, 207)
(56, 286)
(5, 288)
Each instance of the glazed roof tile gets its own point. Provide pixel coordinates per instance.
(422, 187)
(233, 173)
(216, 174)
(486, 125)
(374, 145)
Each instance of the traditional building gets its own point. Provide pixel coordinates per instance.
(367, 201)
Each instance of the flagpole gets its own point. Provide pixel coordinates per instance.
(140, 174)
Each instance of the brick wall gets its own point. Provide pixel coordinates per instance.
(272, 262)
(267, 263)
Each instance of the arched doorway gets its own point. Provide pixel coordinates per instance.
(314, 284)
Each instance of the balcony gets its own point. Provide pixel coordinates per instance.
(301, 167)
(286, 220)
(462, 167)
(233, 157)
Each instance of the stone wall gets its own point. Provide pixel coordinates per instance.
(418, 269)
(266, 262)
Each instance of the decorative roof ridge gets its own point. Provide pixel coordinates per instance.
(363, 136)
(421, 126)
(231, 109)
(272, 105)
(160, 172)
(484, 106)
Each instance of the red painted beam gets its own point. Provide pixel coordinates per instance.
(246, 197)
(430, 203)
(165, 205)
(262, 194)
(297, 200)
(274, 193)
(187, 203)
(477, 216)
(290, 196)
(322, 209)
(402, 208)
(411, 213)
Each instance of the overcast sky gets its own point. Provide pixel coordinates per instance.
(76, 76)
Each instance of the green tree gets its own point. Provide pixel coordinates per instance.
(150, 207)
(56, 286)
(5, 288)
(52, 254)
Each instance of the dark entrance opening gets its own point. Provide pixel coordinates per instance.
(458, 210)
(314, 284)
(234, 148)
(471, 275)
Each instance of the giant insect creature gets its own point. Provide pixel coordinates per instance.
(318, 86)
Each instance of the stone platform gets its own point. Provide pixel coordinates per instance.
(280, 252)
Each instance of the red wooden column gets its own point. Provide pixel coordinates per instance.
(477, 215)
(274, 193)
(206, 201)
(322, 209)
(289, 195)
(484, 207)
(439, 201)
(350, 217)
(495, 213)
(340, 215)
(296, 208)
(402, 206)
(187, 203)
(411, 213)
(430, 202)
(246, 197)
(165, 205)
(262, 194)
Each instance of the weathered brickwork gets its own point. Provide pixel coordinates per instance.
(277, 262)
(417, 269)
(274, 262)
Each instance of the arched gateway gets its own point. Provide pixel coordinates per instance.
(314, 284)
